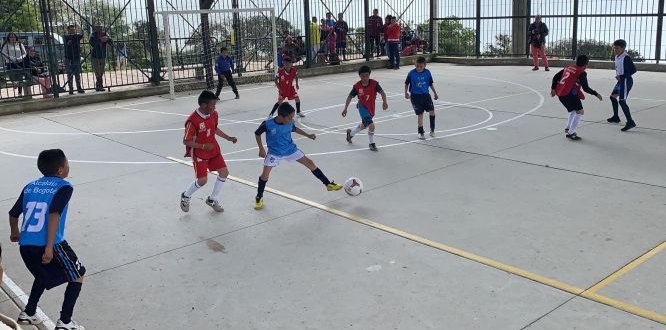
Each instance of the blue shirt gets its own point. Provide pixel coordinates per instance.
(224, 64)
(37, 201)
(419, 82)
(278, 137)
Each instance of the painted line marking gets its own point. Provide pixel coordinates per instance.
(628, 267)
(654, 316)
(20, 299)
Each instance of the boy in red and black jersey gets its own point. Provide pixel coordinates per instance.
(284, 81)
(366, 90)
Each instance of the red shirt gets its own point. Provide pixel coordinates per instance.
(202, 128)
(286, 80)
(367, 95)
(569, 81)
(393, 32)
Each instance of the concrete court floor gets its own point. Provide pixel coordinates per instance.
(499, 182)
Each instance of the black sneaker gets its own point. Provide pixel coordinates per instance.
(71, 92)
(349, 136)
(613, 119)
(80, 91)
(373, 147)
(536, 68)
(566, 130)
(628, 126)
(573, 137)
(547, 69)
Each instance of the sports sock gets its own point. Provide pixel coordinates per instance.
(71, 295)
(355, 130)
(432, 123)
(217, 188)
(625, 109)
(194, 186)
(574, 125)
(320, 175)
(275, 106)
(421, 131)
(35, 293)
(371, 137)
(615, 106)
(298, 107)
(260, 188)
(572, 116)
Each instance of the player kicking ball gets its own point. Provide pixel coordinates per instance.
(281, 147)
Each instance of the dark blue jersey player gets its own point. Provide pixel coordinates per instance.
(624, 69)
(417, 89)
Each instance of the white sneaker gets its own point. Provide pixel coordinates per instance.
(421, 136)
(301, 115)
(25, 319)
(432, 133)
(184, 203)
(69, 326)
(214, 204)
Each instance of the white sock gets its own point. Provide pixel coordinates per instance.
(194, 186)
(217, 188)
(355, 130)
(574, 125)
(371, 137)
(572, 116)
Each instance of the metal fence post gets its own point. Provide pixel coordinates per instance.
(477, 43)
(205, 33)
(574, 37)
(431, 26)
(238, 42)
(366, 38)
(528, 21)
(51, 57)
(153, 38)
(308, 34)
(660, 28)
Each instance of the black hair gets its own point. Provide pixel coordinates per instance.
(314, 18)
(421, 59)
(71, 26)
(364, 69)
(206, 96)
(287, 59)
(285, 109)
(620, 43)
(49, 161)
(582, 60)
(223, 49)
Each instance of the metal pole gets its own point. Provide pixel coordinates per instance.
(48, 37)
(477, 50)
(167, 49)
(308, 33)
(274, 31)
(366, 37)
(574, 37)
(431, 39)
(153, 38)
(660, 27)
(238, 42)
(207, 58)
(528, 18)
(434, 37)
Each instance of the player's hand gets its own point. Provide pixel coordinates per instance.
(599, 97)
(344, 113)
(297, 87)
(552, 93)
(48, 255)
(436, 97)
(580, 112)
(407, 95)
(232, 139)
(385, 106)
(262, 153)
(207, 146)
(14, 237)
(312, 136)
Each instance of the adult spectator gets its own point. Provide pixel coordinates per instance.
(315, 38)
(73, 59)
(98, 42)
(393, 38)
(341, 30)
(13, 54)
(39, 71)
(375, 24)
(537, 39)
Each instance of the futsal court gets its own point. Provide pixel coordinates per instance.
(499, 222)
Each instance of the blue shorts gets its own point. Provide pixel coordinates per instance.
(623, 87)
(366, 117)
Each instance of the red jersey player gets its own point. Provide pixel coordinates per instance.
(366, 90)
(200, 131)
(284, 80)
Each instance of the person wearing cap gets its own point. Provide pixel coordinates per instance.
(98, 42)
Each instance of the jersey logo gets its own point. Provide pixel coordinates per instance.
(202, 127)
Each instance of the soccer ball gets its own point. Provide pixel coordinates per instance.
(353, 186)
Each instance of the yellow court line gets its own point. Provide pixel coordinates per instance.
(613, 277)
(464, 254)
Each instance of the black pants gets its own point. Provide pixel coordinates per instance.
(375, 44)
(230, 80)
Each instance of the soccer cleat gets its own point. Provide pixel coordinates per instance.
(25, 319)
(628, 126)
(349, 136)
(421, 136)
(333, 186)
(237, 97)
(69, 326)
(301, 115)
(547, 69)
(184, 203)
(613, 119)
(573, 137)
(373, 147)
(566, 130)
(432, 134)
(214, 204)
(258, 203)
(536, 68)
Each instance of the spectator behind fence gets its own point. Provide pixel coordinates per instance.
(73, 59)
(315, 38)
(341, 30)
(387, 22)
(39, 71)
(121, 50)
(98, 42)
(13, 54)
(374, 32)
(537, 39)
(393, 38)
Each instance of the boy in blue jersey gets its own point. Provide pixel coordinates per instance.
(417, 86)
(41, 238)
(281, 147)
(624, 69)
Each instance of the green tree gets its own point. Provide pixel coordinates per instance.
(454, 38)
(501, 47)
(20, 15)
(595, 49)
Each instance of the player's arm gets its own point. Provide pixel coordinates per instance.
(432, 86)
(586, 87)
(58, 204)
(223, 135)
(304, 133)
(190, 139)
(381, 92)
(277, 81)
(407, 83)
(14, 215)
(257, 136)
(347, 102)
(296, 78)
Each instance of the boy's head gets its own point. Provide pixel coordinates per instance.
(420, 63)
(71, 29)
(286, 112)
(329, 15)
(53, 162)
(582, 60)
(619, 46)
(314, 19)
(364, 74)
(223, 51)
(340, 16)
(207, 100)
(375, 12)
(287, 61)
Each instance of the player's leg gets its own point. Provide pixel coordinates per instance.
(230, 80)
(32, 258)
(220, 84)
(616, 106)
(307, 162)
(367, 121)
(624, 93)
(261, 185)
(222, 173)
(201, 171)
(420, 130)
(578, 115)
(280, 99)
(355, 130)
(74, 272)
(298, 106)
(431, 116)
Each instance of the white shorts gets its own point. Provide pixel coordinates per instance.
(273, 161)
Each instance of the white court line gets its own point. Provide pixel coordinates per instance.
(20, 298)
